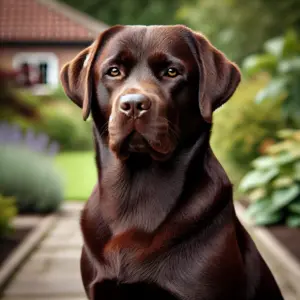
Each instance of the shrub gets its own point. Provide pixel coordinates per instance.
(273, 185)
(242, 128)
(282, 61)
(69, 130)
(31, 178)
(7, 212)
(52, 114)
(12, 134)
(58, 94)
(54, 95)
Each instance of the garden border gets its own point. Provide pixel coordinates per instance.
(285, 267)
(14, 261)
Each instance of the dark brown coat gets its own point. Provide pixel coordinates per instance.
(160, 223)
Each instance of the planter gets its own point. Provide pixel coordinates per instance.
(280, 246)
(28, 232)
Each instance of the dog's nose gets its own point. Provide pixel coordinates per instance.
(134, 105)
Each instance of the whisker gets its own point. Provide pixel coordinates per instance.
(103, 129)
(171, 128)
(162, 123)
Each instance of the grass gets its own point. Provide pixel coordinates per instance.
(79, 172)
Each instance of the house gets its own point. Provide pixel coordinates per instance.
(39, 36)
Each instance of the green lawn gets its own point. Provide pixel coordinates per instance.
(79, 172)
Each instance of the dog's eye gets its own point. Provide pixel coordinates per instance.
(113, 72)
(171, 72)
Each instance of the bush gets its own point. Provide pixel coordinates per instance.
(282, 61)
(242, 128)
(12, 134)
(70, 131)
(53, 114)
(31, 178)
(7, 212)
(58, 94)
(54, 96)
(62, 121)
(273, 185)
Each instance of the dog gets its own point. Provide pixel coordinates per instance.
(160, 222)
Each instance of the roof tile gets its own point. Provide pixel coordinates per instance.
(35, 20)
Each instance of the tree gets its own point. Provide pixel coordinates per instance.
(132, 11)
(240, 27)
(237, 27)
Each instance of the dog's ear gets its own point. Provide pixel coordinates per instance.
(219, 77)
(76, 76)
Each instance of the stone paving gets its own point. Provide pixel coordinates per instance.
(52, 272)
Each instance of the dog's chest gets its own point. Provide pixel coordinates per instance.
(114, 266)
(144, 215)
(121, 265)
(164, 270)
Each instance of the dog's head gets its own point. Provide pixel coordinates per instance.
(155, 86)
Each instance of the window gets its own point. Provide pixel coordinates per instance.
(36, 69)
(43, 67)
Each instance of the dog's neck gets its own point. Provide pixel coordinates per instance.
(131, 191)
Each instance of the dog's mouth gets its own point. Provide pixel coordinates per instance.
(136, 143)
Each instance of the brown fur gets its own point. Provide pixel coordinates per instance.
(160, 223)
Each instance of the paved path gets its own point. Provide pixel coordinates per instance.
(52, 272)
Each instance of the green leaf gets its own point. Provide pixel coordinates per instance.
(286, 133)
(293, 220)
(275, 90)
(275, 46)
(282, 182)
(254, 64)
(291, 43)
(264, 162)
(288, 145)
(295, 207)
(296, 135)
(257, 178)
(268, 218)
(282, 197)
(297, 171)
(289, 65)
(258, 207)
(257, 194)
(286, 158)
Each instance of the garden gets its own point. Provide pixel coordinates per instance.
(260, 149)
(46, 150)
(46, 158)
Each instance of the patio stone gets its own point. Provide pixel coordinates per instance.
(52, 272)
(47, 298)
(42, 267)
(59, 243)
(46, 287)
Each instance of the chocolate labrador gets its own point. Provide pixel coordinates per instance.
(160, 223)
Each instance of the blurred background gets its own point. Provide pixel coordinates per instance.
(46, 150)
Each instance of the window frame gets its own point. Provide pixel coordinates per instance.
(37, 58)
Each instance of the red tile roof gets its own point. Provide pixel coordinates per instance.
(45, 20)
